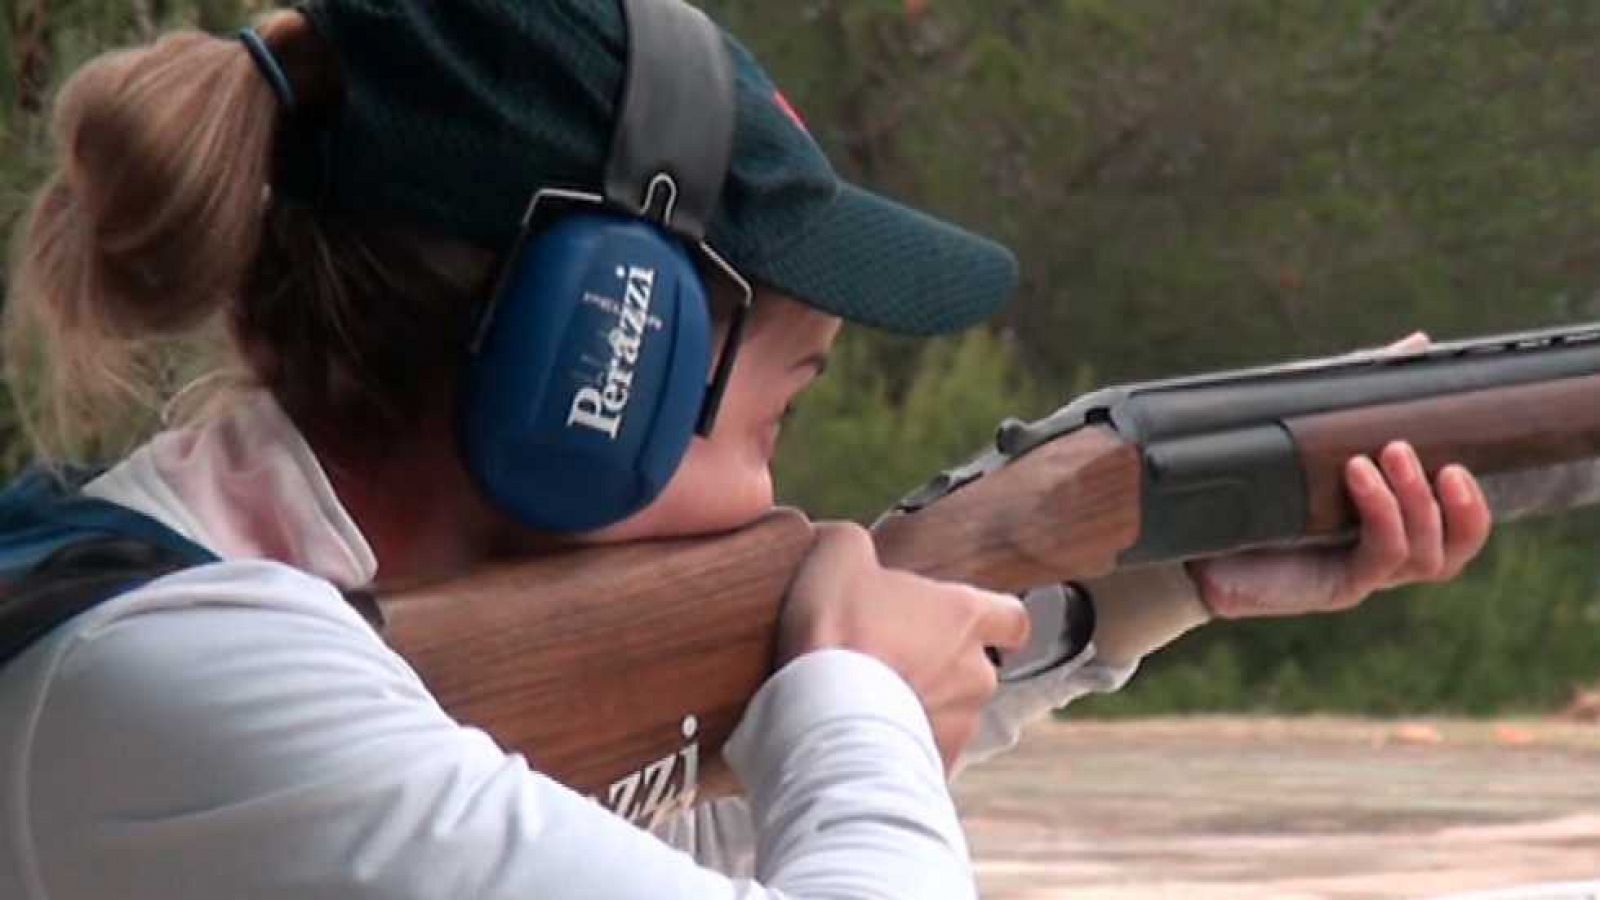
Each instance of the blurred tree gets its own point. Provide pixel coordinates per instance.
(1191, 186)
(867, 444)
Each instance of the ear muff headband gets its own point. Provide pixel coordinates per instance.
(676, 120)
(588, 377)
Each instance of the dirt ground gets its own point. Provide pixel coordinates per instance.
(1244, 808)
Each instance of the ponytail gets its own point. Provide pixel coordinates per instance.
(156, 252)
(146, 228)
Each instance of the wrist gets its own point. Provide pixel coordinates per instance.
(1140, 610)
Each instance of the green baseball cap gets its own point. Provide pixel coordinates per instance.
(455, 113)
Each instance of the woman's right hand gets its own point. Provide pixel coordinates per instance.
(932, 633)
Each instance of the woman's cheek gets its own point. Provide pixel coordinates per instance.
(715, 489)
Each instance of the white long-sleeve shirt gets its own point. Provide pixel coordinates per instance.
(237, 730)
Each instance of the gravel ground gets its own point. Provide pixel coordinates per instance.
(1290, 808)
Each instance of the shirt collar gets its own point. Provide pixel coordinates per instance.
(245, 485)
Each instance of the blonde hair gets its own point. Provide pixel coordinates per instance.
(156, 248)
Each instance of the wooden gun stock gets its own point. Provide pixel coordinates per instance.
(621, 671)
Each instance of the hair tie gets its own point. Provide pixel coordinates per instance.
(270, 68)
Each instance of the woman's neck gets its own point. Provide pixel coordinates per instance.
(416, 505)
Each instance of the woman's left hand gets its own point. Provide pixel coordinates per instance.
(1411, 530)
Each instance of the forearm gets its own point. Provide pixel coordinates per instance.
(1139, 611)
(849, 805)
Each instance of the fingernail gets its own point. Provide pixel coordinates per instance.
(1455, 487)
(1398, 462)
(1363, 475)
(1411, 466)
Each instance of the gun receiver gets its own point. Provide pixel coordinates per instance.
(620, 670)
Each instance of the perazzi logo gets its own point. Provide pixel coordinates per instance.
(663, 788)
(601, 407)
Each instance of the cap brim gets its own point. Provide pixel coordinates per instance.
(871, 260)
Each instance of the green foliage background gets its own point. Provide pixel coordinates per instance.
(1190, 186)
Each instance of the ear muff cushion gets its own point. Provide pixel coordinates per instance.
(581, 398)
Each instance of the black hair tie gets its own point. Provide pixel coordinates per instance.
(270, 68)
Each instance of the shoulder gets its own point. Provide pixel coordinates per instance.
(228, 674)
(210, 637)
(238, 586)
(242, 704)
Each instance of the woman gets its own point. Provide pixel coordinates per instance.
(342, 198)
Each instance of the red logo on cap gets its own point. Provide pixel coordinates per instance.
(789, 110)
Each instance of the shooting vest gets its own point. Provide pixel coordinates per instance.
(63, 553)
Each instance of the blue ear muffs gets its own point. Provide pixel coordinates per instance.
(587, 383)
(587, 380)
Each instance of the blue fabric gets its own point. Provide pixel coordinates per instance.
(43, 511)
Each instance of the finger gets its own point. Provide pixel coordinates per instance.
(1002, 621)
(843, 542)
(1382, 547)
(1411, 343)
(983, 682)
(1420, 511)
(845, 534)
(1467, 518)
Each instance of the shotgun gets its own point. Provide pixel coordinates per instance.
(620, 671)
